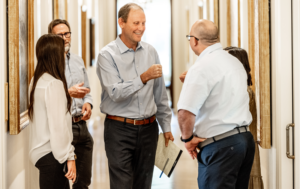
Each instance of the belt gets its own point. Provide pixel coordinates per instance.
(76, 119)
(132, 121)
(235, 131)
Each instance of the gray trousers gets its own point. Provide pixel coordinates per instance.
(83, 143)
(130, 150)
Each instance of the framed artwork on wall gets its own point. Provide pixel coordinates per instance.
(92, 42)
(20, 61)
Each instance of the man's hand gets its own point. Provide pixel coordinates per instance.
(192, 146)
(155, 71)
(77, 91)
(88, 111)
(182, 76)
(168, 136)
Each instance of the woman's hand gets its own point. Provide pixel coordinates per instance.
(71, 174)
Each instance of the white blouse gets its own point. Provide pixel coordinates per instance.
(51, 124)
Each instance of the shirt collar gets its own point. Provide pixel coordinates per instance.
(210, 49)
(123, 48)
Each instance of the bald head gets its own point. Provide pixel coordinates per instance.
(206, 31)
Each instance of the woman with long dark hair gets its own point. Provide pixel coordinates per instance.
(50, 127)
(255, 175)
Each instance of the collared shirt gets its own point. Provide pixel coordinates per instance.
(123, 93)
(215, 90)
(75, 73)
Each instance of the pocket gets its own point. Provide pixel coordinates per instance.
(204, 157)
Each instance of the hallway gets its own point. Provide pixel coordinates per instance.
(184, 175)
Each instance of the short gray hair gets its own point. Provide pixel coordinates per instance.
(124, 11)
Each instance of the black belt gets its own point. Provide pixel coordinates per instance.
(76, 119)
(235, 131)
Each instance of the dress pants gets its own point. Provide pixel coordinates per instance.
(227, 163)
(51, 173)
(83, 143)
(130, 150)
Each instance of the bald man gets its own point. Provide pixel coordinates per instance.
(213, 113)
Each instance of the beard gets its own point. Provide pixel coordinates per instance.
(68, 47)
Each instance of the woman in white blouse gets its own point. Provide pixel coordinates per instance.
(50, 119)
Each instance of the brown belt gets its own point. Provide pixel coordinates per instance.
(76, 119)
(132, 121)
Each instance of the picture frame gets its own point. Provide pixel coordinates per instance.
(20, 61)
(92, 42)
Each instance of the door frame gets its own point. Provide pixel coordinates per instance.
(280, 167)
(296, 78)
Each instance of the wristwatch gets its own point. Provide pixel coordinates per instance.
(186, 140)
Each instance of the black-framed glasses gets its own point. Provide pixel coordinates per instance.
(189, 37)
(67, 35)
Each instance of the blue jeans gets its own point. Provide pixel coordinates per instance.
(227, 163)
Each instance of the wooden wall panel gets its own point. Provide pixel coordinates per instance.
(56, 9)
(30, 40)
(83, 34)
(13, 66)
(66, 9)
(216, 13)
(251, 40)
(239, 23)
(228, 23)
(264, 76)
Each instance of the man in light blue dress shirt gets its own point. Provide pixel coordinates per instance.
(133, 97)
(79, 88)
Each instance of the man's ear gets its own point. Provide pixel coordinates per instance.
(121, 23)
(195, 41)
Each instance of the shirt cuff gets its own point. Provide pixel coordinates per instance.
(137, 83)
(87, 100)
(71, 156)
(166, 129)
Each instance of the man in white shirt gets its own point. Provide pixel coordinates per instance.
(213, 113)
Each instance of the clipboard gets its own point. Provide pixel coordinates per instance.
(166, 158)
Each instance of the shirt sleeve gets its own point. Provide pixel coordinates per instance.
(117, 89)
(195, 91)
(60, 133)
(88, 97)
(164, 113)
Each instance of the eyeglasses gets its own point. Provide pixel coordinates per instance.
(67, 35)
(189, 37)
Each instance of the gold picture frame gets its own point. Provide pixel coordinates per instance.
(19, 120)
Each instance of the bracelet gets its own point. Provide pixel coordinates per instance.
(187, 140)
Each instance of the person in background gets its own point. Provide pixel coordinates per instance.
(50, 119)
(255, 181)
(79, 88)
(213, 113)
(133, 97)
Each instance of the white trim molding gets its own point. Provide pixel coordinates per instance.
(296, 68)
(3, 125)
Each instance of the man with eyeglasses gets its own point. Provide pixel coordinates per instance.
(79, 88)
(213, 112)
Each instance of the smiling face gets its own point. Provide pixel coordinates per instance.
(134, 28)
(62, 29)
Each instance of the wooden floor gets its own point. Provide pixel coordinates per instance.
(184, 175)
